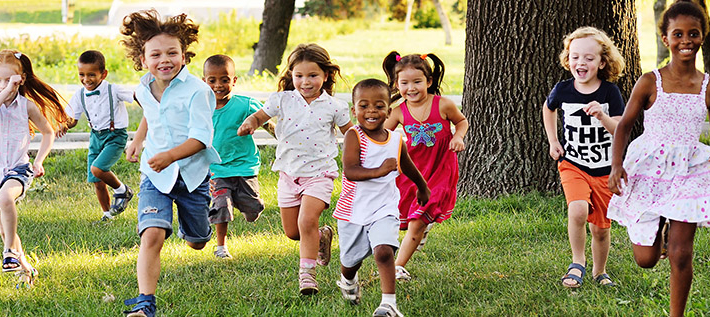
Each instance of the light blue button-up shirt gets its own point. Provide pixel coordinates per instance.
(184, 111)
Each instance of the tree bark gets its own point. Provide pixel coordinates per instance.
(445, 23)
(706, 43)
(273, 35)
(408, 17)
(661, 50)
(511, 65)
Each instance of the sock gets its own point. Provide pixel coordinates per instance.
(308, 263)
(121, 188)
(347, 281)
(108, 214)
(389, 299)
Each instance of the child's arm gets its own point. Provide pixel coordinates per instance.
(47, 137)
(351, 161)
(12, 87)
(394, 119)
(644, 88)
(595, 109)
(63, 128)
(134, 149)
(253, 122)
(549, 119)
(410, 170)
(452, 113)
(188, 148)
(270, 127)
(346, 127)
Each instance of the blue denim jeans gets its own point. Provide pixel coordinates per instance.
(155, 209)
(21, 173)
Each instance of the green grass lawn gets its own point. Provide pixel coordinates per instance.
(499, 257)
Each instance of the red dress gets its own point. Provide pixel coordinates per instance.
(428, 146)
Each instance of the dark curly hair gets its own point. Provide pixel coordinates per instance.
(141, 26)
(310, 53)
(686, 8)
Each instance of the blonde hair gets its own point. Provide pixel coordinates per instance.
(614, 62)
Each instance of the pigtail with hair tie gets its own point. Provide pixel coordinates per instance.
(397, 57)
(423, 56)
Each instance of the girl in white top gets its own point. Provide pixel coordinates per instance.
(26, 104)
(305, 155)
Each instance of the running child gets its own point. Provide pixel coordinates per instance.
(234, 179)
(666, 173)
(426, 117)
(305, 155)
(367, 213)
(591, 106)
(28, 104)
(177, 130)
(105, 110)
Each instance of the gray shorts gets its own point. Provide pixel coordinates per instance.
(357, 242)
(23, 174)
(235, 192)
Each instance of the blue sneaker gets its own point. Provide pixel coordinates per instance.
(145, 306)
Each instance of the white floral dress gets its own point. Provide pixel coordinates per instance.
(668, 168)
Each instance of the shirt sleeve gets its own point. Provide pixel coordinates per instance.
(75, 108)
(553, 101)
(201, 108)
(616, 101)
(342, 115)
(123, 94)
(254, 105)
(272, 108)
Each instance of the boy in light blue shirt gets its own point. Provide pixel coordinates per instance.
(177, 131)
(234, 179)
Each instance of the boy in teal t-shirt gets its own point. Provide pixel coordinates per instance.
(234, 179)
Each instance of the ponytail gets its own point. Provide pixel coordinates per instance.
(394, 63)
(388, 65)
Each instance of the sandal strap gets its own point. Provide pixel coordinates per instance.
(578, 266)
(142, 298)
(602, 277)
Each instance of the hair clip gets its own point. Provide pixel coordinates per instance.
(397, 58)
(18, 55)
(423, 56)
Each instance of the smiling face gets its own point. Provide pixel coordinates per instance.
(412, 83)
(308, 79)
(683, 38)
(221, 79)
(163, 57)
(371, 107)
(585, 60)
(90, 75)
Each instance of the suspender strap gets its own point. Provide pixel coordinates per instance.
(110, 101)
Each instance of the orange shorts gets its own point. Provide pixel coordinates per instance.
(579, 185)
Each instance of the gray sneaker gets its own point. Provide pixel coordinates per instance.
(120, 201)
(350, 292)
(387, 310)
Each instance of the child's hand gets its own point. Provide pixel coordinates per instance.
(594, 109)
(389, 165)
(246, 128)
(423, 196)
(14, 83)
(456, 144)
(160, 161)
(61, 130)
(556, 150)
(38, 169)
(615, 179)
(133, 151)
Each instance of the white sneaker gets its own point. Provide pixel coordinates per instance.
(222, 253)
(426, 233)
(387, 310)
(401, 274)
(351, 292)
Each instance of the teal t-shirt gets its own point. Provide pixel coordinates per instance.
(240, 156)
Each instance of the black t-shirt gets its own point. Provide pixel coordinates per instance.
(586, 142)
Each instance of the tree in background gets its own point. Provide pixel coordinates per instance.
(661, 50)
(273, 35)
(512, 64)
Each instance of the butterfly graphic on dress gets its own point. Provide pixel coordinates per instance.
(423, 133)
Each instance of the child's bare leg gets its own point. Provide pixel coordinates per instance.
(577, 233)
(414, 235)
(680, 255)
(289, 221)
(221, 232)
(103, 195)
(308, 216)
(148, 266)
(108, 177)
(384, 257)
(350, 272)
(600, 248)
(648, 256)
(8, 212)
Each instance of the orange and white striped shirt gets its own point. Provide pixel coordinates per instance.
(363, 202)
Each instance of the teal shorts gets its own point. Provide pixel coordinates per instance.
(105, 148)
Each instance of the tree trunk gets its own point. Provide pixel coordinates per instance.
(408, 17)
(273, 35)
(661, 50)
(445, 23)
(511, 65)
(706, 43)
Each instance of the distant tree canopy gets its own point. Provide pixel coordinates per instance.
(425, 15)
